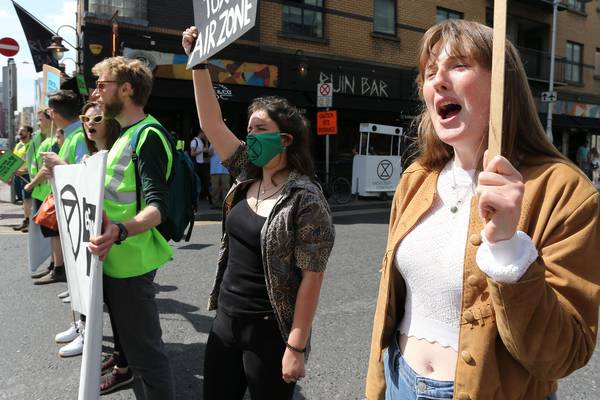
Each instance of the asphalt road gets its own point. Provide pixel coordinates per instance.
(30, 368)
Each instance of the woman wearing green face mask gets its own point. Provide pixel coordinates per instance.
(276, 242)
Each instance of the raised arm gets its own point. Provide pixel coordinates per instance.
(209, 112)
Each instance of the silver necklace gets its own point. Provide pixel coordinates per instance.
(459, 199)
(258, 193)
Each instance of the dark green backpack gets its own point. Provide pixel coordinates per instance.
(183, 189)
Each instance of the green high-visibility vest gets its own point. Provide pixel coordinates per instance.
(180, 145)
(146, 251)
(42, 190)
(34, 145)
(67, 150)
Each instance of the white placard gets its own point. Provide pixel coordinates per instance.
(79, 193)
(220, 23)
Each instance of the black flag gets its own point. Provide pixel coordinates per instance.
(38, 37)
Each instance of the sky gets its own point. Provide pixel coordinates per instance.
(53, 13)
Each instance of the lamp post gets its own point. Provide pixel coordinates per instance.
(58, 49)
(551, 78)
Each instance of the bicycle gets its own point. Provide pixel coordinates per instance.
(337, 189)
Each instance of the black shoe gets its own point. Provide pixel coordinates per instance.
(56, 275)
(45, 272)
(23, 225)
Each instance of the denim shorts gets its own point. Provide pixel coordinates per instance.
(403, 383)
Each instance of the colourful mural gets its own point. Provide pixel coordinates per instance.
(577, 109)
(173, 66)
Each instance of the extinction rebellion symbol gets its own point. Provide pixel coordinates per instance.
(254, 148)
(70, 204)
(385, 170)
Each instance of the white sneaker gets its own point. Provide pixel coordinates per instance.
(64, 294)
(70, 334)
(74, 348)
(67, 299)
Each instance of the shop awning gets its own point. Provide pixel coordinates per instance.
(570, 121)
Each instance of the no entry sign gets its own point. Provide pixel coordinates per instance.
(8, 47)
(324, 95)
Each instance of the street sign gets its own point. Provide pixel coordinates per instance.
(81, 85)
(327, 123)
(549, 97)
(8, 47)
(324, 95)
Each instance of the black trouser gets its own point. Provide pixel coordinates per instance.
(118, 353)
(203, 172)
(135, 317)
(245, 352)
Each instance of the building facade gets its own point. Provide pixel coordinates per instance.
(576, 113)
(366, 49)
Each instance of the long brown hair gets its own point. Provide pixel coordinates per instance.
(113, 129)
(289, 120)
(522, 131)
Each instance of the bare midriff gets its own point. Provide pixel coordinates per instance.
(430, 360)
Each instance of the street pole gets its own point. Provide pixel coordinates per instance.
(327, 155)
(551, 78)
(11, 82)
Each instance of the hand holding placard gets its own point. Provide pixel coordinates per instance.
(220, 23)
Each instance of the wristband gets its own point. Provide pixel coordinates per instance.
(200, 66)
(295, 349)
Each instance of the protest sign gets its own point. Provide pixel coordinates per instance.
(79, 192)
(220, 23)
(9, 164)
(38, 246)
(50, 83)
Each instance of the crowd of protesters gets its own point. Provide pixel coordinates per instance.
(502, 306)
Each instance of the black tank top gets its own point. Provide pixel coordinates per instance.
(243, 290)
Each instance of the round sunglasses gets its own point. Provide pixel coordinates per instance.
(95, 119)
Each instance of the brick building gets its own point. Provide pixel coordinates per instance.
(367, 49)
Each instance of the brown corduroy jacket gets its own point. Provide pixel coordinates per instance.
(516, 339)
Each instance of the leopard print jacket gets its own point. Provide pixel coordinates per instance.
(298, 235)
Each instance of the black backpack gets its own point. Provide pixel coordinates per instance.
(183, 189)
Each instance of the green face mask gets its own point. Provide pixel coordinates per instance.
(263, 147)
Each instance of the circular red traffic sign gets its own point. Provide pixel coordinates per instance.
(8, 47)
(324, 89)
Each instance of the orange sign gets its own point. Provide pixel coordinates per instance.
(327, 123)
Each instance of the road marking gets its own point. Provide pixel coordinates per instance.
(206, 223)
(7, 230)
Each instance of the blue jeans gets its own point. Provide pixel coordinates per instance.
(403, 383)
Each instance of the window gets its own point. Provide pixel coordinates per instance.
(597, 67)
(305, 18)
(384, 17)
(573, 64)
(576, 5)
(134, 9)
(444, 14)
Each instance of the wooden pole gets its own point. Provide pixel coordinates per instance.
(497, 92)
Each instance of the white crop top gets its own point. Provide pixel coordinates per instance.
(431, 260)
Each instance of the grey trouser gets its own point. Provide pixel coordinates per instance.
(134, 311)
